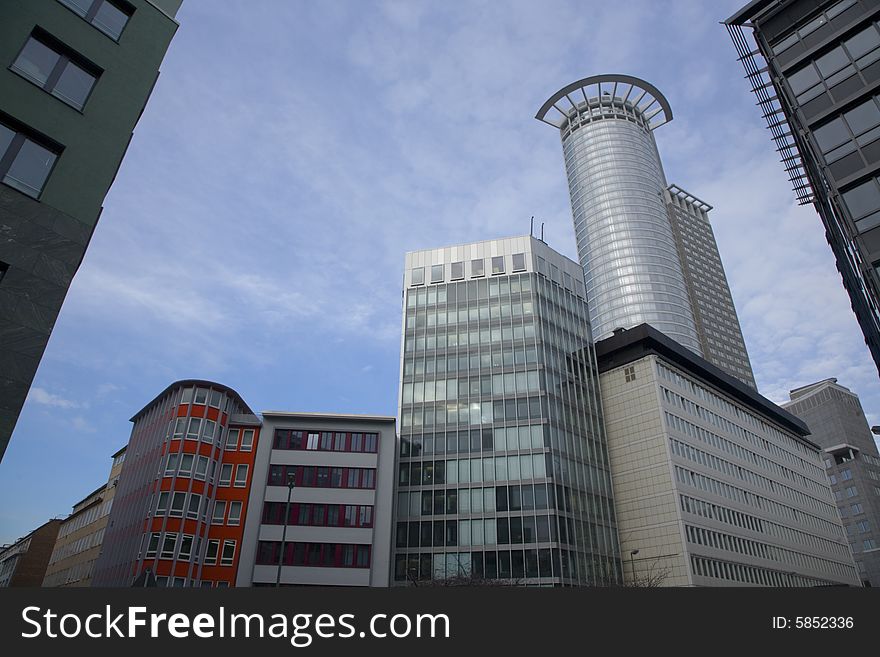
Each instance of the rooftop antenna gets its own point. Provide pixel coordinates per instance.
(542, 232)
(532, 226)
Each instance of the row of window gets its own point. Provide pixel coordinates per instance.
(196, 428)
(757, 549)
(85, 518)
(456, 269)
(497, 439)
(180, 582)
(525, 497)
(686, 451)
(320, 476)
(326, 441)
(481, 531)
(181, 465)
(760, 525)
(318, 515)
(174, 504)
(473, 413)
(328, 555)
(809, 463)
(736, 494)
(171, 545)
(498, 468)
(503, 564)
(738, 572)
(737, 450)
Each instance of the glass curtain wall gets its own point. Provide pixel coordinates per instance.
(502, 465)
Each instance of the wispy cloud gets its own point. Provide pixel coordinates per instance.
(43, 397)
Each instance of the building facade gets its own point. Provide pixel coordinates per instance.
(502, 466)
(625, 243)
(24, 562)
(182, 496)
(838, 425)
(75, 77)
(718, 328)
(81, 534)
(714, 485)
(647, 248)
(332, 526)
(815, 68)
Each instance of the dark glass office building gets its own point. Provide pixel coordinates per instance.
(75, 76)
(815, 69)
(503, 469)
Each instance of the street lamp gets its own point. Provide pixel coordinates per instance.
(291, 482)
(632, 563)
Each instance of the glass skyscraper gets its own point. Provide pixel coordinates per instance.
(647, 248)
(624, 238)
(502, 463)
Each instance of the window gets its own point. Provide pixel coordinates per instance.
(201, 396)
(171, 465)
(211, 552)
(864, 527)
(24, 164)
(417, 276)
(208, 431)
(219, 512)
(457, 270)
(478, 267)
(846, 474)
(179, 427)
(247, 440)
(869, 544)
(153, 545)
(313, 441)
(436, 273)
(498, 265)
(234, 513)
(195, 426)
(186, 464)
(186, 544)
(216, 395)
(186, 396)
(851, 491)
(519, 262)
(168, 546)
(241, 472)
(51, 68)
(225, 474)
(177, 502)
(192, 511)
(202, 467)
(108, 16)
(856, 509)
(232, 439)
(629, 374)
(228, 555)
(162, 504)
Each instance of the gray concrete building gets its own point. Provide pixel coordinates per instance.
(74, 80)
(647, 248)
(814, 67)
(332, 526)
(714, 485)
(838, 425)
(502, 467)
(718, 328)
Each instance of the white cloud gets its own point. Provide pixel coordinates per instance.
(43, 397)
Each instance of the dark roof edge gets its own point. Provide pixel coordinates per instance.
(190, 382)
(749, 11)
(643, 340)
(119, 451)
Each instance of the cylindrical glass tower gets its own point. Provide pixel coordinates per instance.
(624, 237)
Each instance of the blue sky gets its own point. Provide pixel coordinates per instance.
(293, 151)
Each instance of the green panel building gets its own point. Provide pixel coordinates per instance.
(75, 76)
